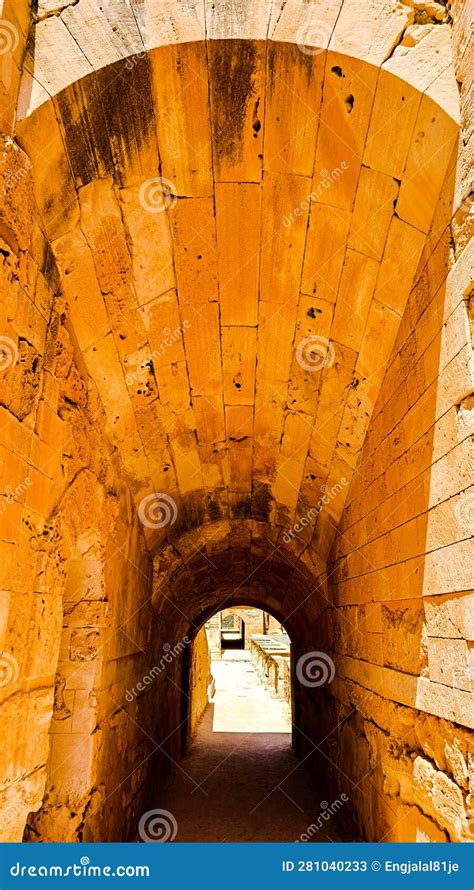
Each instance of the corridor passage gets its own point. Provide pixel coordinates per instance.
(240, 780)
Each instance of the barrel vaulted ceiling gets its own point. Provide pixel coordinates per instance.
(238, 196)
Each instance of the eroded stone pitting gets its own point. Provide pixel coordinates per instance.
(333, 497)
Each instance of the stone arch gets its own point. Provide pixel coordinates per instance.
(235, 622)
(192, 578)
(333, 336)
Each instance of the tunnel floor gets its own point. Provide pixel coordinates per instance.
(239, 783)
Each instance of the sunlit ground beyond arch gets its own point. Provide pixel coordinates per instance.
(249, 689)
(241, 702)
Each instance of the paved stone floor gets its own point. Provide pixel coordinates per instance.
(240, 780)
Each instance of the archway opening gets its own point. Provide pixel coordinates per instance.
(239, 777)
(232, 632)
(241, 682)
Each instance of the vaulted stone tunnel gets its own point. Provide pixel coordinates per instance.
(236, 369)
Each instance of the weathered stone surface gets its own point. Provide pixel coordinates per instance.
(235, 370)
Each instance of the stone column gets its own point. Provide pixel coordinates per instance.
(213, 631)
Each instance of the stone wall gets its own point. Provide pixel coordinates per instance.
(401, 628)
(14, 28)
(271, 660)
(200, 680)
(256, 622)
(28, 460)
(76, 572)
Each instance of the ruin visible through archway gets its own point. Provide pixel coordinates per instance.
(232, 632)
(245, 675)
